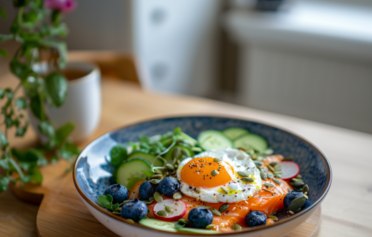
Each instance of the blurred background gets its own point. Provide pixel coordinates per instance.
(305, 58)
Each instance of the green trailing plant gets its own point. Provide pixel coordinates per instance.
(37, 28)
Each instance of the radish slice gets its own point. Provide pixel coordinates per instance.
(290, 170)
(178, 209)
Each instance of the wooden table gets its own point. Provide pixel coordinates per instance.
(345, 212)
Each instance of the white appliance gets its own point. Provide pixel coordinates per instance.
(174, 44)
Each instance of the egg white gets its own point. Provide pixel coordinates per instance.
(239, 190)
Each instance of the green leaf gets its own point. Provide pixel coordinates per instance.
(68, 151)
(2, 93)
(4, 162)
(56, 17)
(177, 130)
(118, 153)
(41, 160)
(60, 30)
(15, 166)
(37, 107)
(25, 178)
(148, 173)
(63, 132)
(20, 131)
(56, 86)
(109, 198)
(3, 140)
(15, 28)
(179, 225)
(21, 103)
(4, 53)
(47, 129)
(3, 13)
(36, 176)
(25, 155)
(133, 145)
(4, 182)
(30, 18)
(19, 69)
(115, 206)
(8, 121)
(144, 139)
(105, 201)
(27, 159)
(144, 146)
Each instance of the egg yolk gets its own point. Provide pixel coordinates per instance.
(205, 172)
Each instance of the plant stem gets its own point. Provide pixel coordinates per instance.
(19, 16)
(17, 87)
(18, 169)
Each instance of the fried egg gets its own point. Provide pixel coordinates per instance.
(203, 177)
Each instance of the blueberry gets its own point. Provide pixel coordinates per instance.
(200, 217)
(290, 196)
(147, 190)
(118, 192)
(307, 204)
(135, 210)
(168, 186)
(255, 218)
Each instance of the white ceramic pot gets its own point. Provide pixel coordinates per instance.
(82, 106)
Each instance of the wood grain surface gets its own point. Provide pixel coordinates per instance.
(345, 211)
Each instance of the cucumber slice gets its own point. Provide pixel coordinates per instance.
(212, 139)
(183, 149)
(169, 226)
(158, 224)
(150, 158)
(251, 141)
(132, 169)
(234, 132)
(198, 231)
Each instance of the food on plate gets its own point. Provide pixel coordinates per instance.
(255, 218)
(169, 209)
(135, 210)
(223, 181)
(118, 192)
(200, 217)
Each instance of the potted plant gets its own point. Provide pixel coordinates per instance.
(37, 28)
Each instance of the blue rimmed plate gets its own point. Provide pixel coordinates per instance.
(92, 174)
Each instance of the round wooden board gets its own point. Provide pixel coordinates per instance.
(62, 213)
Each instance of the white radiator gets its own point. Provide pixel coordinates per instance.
(301, 63)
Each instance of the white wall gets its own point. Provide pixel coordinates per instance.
(354, 2)
(100, 25)
(94, 25)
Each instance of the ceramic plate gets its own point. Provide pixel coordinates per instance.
(92, 174)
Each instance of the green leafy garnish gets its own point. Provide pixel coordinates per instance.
(106, 202)
(118, 153)
(180, 223)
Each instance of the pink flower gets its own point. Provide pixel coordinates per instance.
(64, 6)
